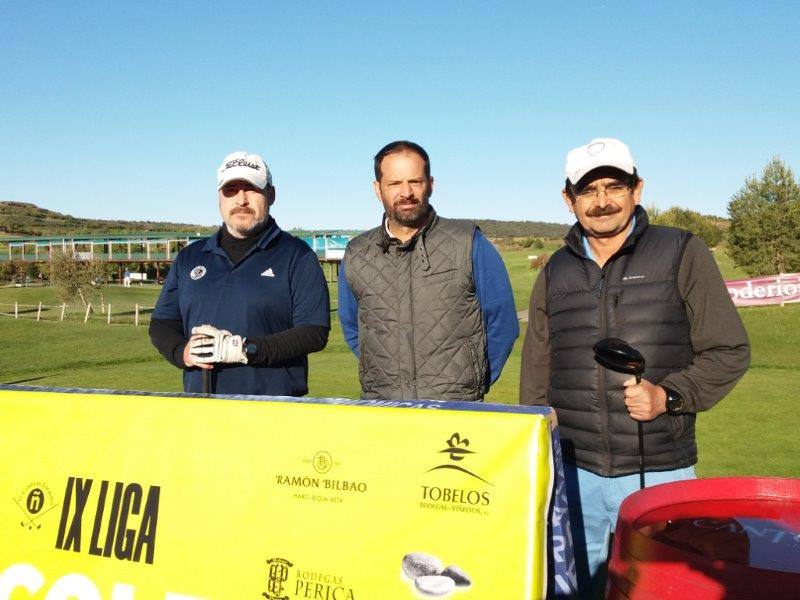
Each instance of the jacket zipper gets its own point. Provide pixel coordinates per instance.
(602, 295)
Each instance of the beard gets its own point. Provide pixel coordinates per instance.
(245, 228)
(410, 213)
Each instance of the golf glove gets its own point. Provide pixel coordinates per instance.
(216, 346)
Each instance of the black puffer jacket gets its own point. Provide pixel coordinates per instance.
(634, 297)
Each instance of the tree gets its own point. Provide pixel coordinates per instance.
(32, 271)
(703, 227)
(12, 270)
(73, 277)
(764, 236)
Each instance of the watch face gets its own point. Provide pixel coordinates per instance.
(674, 402)
(251, 349)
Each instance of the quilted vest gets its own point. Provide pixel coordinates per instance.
(634, 297)
(420, 329)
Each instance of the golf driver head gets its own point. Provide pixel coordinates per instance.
(617, 355)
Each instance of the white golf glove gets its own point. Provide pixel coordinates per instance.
(217, 346)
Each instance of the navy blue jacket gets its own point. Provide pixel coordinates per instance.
(277, 285)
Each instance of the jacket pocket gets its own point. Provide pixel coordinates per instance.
(439, 276)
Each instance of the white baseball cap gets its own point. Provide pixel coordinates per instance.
(600, 152)
(244, 166)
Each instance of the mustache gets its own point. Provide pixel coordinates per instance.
(242, 210)
(602, 211)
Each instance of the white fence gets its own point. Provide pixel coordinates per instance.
(127, 314)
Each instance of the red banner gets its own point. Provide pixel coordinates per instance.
(761, 291)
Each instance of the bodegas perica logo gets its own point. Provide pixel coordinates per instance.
(277, 575)
(286, 583)
(34, 501)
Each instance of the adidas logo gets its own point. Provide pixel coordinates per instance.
(268, 273)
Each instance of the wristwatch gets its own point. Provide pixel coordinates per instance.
(250, 349)
(675, 404)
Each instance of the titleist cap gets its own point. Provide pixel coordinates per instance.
(244, 166)
(600, 152)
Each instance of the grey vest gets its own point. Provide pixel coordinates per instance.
(634, 297)
(420, 329)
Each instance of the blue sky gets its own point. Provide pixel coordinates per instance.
(124, 110)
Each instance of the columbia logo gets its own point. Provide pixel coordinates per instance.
(268, 273)
(629, 277)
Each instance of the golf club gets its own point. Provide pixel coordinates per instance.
(206, 381)
(617, 355)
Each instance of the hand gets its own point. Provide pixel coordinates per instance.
(189, 359)
(211, 345)
(645, 400)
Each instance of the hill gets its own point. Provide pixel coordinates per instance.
(22, 218)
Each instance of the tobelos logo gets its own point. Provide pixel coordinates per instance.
(457, 448)
(197, 272)
(277, 575)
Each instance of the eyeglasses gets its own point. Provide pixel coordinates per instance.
(613, 191)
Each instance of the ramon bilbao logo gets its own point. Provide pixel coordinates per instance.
(323, 463)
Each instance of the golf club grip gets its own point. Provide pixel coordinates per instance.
(206, 381)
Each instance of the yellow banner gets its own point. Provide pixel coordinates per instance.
(133, 497)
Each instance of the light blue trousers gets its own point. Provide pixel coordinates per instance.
(593, 508)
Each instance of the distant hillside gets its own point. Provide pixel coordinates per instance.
(21, 218)
(520, 229)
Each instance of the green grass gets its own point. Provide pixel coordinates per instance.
(751, 432)
(726, 266)
(754, 430)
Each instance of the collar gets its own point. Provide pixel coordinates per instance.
(588, 249)
(416, 243)
(387, 239)
(270, 233)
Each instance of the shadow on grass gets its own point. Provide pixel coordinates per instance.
(30, 379)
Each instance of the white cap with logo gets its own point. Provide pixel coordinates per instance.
(600, 152)
(244, 166)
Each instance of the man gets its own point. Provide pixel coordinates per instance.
(424, 302)
(659, 289)
(247, 304)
